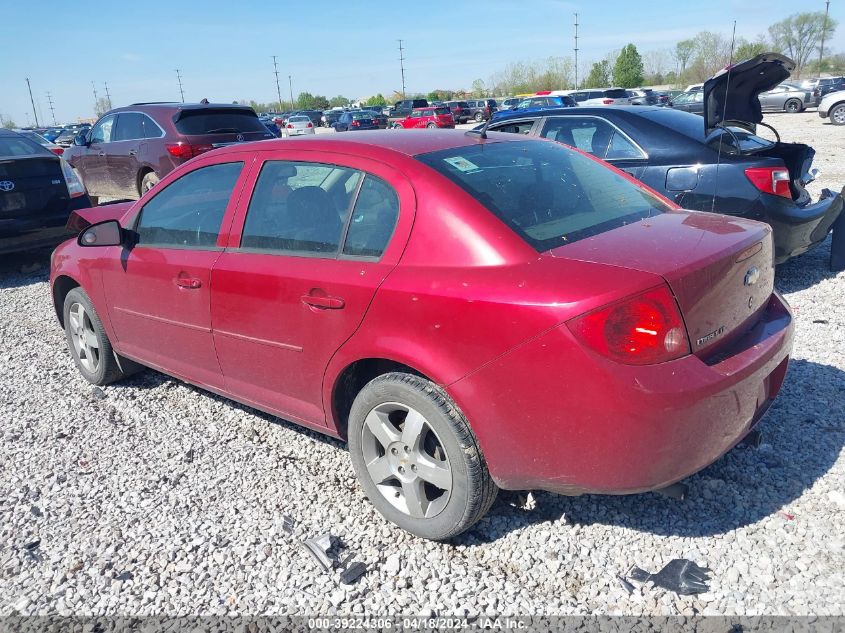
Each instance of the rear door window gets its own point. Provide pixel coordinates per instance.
(373, 219)
(593, 135)
(188, 212)
(547, 194)
(129, 126)
(211, 121)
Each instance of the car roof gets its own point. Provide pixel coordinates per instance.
(408, 142)
(579, 111)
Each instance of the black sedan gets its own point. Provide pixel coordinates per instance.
(38, 191)
(356, 121)
(669, 151)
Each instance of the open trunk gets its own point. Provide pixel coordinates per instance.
(798, 159)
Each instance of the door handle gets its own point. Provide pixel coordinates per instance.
(133, 152)
(101, 153)
(323, 302)
(191, 283)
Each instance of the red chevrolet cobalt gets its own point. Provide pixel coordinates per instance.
(470, 313)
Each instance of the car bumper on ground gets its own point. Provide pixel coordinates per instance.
(550, 415)
(798, 229)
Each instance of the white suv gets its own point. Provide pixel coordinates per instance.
(833, 105)
(602, 96)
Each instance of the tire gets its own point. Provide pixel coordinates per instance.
(441, 444)
(431, 126)
(837, 114)
(792, 106)
(89, 346)
(397, 126)
(479, 117)
(149, 181)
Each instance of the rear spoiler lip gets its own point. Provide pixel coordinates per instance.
(81, 219)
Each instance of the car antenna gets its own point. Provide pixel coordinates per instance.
(482, 133)
(722, 122)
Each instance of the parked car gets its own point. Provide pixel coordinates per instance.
(607, 96)
(508, 104)
(67, 136)
(468, 313)
(378, 118)
(460, 110)
(316, 116)
(643, 96)
(678, 155)
(58, 150)
(786, 98)
(482, 109)
(131, 148)
(281, 118)
(38, 191)
(268, 122)
(51, 133)
(430, 117)
(298, 124)
(689, 102)
(356, 121)
(330, 117)
(374, 108)
(826, 85)
(833, 106)
(402, 109)
(534, 104)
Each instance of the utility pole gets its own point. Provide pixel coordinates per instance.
(32, 101)
(290, 85)
(179, 79)
(576, 51)
(402, 66)
(278, 90)
(96, 99)
(824, 28)
(52, 110)
(108, 96)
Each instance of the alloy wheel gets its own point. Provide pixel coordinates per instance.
(85, 342)
(406, 460)
(838, 115)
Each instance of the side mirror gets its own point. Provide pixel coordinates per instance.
(107, 233)
(81, 139)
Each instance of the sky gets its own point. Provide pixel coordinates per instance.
(224, 49)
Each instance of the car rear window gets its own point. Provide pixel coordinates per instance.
(210, 121)
(548, 194)
(616, 94)
(442, 111)
(300, 118)
(19, 146)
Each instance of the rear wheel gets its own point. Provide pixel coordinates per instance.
(792, 106)
(479, 117)
(431, 125)
(397, 126)
(149, 181)
(837, 114)
(417, 458)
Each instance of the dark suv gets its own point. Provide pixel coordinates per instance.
(482, 109)
(460, 110)
(129, 149)
(827, 85)
(403, 109)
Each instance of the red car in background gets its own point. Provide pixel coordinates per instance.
(469, 312)
(430, 117)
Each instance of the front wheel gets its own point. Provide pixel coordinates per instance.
(397, 126)
(792, 106)
(417, 458)
(479, 117)
(837, 114)
(431, 126)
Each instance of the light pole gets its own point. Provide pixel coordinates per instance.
(278, 91)
(824, 28)
(402, 66)
(576, 51)
(290, 85)
(179, 79)
(32, 101)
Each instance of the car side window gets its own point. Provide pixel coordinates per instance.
(299, 208)
(129, 126)
(516, 127)
(592, 135)
(373, 219)
(188, 212)
(151, 129)
(102, 132)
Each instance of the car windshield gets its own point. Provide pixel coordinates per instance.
(362, 115)
(548, 194)
(211, 121)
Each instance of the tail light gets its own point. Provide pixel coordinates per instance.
(186, 150)
(75, 188)
(309, 124)
(58, 151)
(355, 124)
(290, 126)
(773, 180)
(607, 101)
(641, 330)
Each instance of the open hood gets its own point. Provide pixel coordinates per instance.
(731, 94)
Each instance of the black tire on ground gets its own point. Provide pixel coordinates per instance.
(837, 114)
(431, 125)
(793, 106)
(479, 117)
(472, 488)
(397, 126)
(110, 366)
(148, 182)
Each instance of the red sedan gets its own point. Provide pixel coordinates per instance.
(471, 313)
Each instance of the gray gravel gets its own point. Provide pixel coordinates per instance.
(152, 497)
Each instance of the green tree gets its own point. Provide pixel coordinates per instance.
(628, 70)
(478, 89)
(8, 124)
(599, 76)
(746, 50)
(339, 100)
(684, 51)
(799, 36)
(376, 100)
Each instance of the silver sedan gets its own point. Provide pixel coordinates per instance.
(786, 98)
(297, 125)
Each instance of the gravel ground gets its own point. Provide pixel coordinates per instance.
(152, 497)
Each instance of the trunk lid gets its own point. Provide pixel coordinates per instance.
(719, 268)
(33, 185)
(81, 219)
(732, 93)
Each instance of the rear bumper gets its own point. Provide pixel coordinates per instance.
(551, 416)
(25, 232)
(798, 229)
